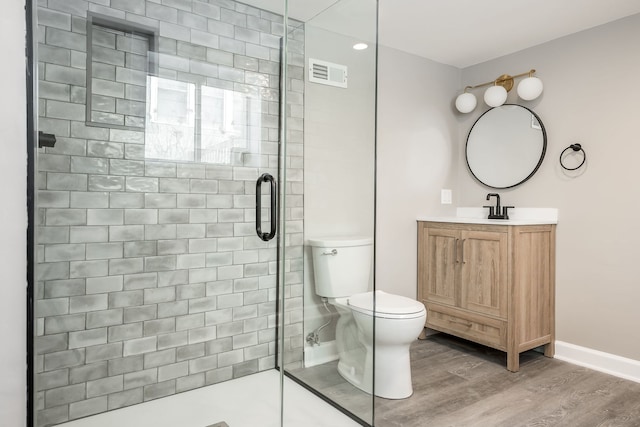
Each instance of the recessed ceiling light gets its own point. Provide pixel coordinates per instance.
(360, 46)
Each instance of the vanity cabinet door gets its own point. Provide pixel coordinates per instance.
(484, 266)
(439, 257)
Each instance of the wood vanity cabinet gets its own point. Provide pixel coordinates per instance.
(491, 284)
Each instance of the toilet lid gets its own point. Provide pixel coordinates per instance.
(385, 303)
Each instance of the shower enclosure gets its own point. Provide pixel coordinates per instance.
(184, 158)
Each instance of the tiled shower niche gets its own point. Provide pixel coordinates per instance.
(151, 280)
(120, 58)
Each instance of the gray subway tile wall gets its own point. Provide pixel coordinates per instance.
(151, 280)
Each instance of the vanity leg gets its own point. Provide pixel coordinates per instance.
(550, 349)
(513, 361)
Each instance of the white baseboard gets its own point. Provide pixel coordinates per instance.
(599, 361)
(318, 354)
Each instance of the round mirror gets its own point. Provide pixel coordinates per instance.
(506, 146)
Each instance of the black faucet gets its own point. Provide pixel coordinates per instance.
(496, 212)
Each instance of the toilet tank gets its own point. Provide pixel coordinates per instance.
(341, 265)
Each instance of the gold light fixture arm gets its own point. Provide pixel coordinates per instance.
(504, 80)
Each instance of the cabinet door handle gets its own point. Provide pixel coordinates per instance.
(455, 251)
(460, 322)
(462, 250)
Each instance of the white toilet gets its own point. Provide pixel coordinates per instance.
(342, 272)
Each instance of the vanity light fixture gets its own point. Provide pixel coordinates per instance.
(528, 89)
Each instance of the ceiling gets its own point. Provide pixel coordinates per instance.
(467, 32)
(459, 32)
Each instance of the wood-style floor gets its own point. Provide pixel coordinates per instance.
(458, 383)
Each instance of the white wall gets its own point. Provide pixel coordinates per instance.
(416, 159)
(591, 96)
(13, 216)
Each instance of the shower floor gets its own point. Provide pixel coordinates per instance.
(251, 401)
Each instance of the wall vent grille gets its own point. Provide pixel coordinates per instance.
(327, 73)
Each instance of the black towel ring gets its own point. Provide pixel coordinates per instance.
(574, 147)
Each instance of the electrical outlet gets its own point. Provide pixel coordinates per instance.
(446, 196)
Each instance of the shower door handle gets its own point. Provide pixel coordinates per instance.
(265, 177)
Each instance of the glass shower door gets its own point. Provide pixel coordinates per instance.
(330, 130)
(158, 121)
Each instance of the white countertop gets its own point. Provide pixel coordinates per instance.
(517, 216)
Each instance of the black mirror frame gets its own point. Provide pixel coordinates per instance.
(544, 148)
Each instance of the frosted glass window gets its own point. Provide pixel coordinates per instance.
(230, 122)
(170, 121)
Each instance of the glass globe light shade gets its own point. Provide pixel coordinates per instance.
(466, 102)
(495, 96)
(530, 88)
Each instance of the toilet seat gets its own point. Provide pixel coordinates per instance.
(387, 306)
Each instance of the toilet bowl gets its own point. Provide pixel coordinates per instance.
(374, 328)
(398, 322)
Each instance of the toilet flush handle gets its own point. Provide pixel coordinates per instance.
(332, 253)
